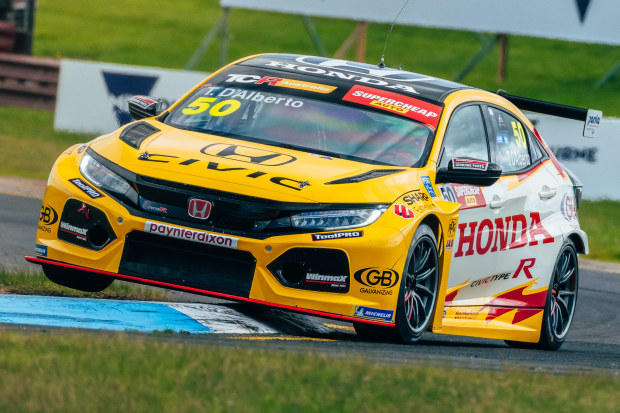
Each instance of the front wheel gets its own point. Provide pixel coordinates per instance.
(418, 289)
(417, 295)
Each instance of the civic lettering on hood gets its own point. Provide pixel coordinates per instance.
(237, 153)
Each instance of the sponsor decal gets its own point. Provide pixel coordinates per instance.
(334, 280)
(469, 196)
(190, 235)
(501, 234)
(426, 181)
(373, 313)
(337, 235)
(593, 121)
(247, 154)
(48, 216)
(282, 82)
(414, 197)
(376, 279)
(80, 233)
(393, 102)
(568, 207)
(84, 211)
(403, 212)
(199, 208)
(452, 228)
(40, 250)
(82, 148)
(87, 189)
(449, 244)
(469, 164)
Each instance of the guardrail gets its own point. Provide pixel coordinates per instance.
(28, 81)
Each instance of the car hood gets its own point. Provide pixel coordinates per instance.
(255, 169)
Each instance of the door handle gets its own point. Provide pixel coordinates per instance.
(547, 193)
(497, 202)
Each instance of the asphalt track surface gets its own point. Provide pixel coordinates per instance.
(593, 344)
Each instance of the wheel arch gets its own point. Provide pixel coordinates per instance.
(580, 243)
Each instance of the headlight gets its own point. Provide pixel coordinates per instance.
(104, 178)
(337, 219)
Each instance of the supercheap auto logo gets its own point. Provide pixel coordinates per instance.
(393, 102)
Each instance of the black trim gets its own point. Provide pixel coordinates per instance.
(548, 108)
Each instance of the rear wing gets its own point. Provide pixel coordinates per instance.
(591, 118)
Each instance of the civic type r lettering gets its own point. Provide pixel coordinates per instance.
(525, 266)
(493, 235)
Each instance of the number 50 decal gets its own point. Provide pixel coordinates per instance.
(223, 108)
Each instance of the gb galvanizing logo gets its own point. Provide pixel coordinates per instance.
(373, 313)
(378, 281)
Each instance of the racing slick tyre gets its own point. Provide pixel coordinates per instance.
(417, 296)
(561, 301)
(78, 280)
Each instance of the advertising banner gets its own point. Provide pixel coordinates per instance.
(588, 21)
(92, 97)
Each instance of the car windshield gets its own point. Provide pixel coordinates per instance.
(302, 123)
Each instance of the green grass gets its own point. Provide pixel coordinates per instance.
(601, 221)
(168, 33)
(35, 283)
(29, 143)
(60, 372)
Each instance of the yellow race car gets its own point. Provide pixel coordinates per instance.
(399, 202)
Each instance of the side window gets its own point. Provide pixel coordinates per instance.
(465, 136)
(511, 141)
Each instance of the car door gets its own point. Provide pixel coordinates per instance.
(526, 242)
(473, 257)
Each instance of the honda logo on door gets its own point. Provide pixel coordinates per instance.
(199, 208)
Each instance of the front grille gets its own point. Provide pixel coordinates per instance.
(189, 264)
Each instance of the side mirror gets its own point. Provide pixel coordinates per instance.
(469, 171)
(141, 107)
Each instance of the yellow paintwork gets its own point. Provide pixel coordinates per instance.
(385, 243)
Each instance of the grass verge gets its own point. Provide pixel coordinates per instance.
(35, 283)
(601, 221)
(81, 372)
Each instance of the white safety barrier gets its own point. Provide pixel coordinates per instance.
(595, 161)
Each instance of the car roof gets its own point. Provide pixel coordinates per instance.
(344, 71)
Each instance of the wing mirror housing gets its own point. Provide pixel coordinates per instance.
(141, 107)
(469, 171)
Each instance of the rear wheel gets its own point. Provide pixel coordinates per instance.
(561, 301)
(417, 296)
(76, 279)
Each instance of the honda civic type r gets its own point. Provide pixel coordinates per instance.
(396, 201)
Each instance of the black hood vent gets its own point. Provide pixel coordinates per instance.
(376, 173)
(134, 134)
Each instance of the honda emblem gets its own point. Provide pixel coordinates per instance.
(199, 208)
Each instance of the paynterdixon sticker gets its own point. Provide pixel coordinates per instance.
(190, 235)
